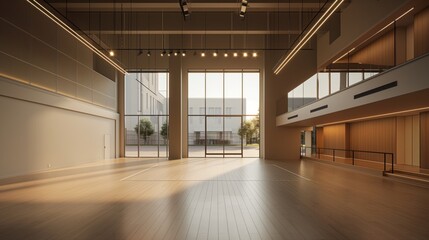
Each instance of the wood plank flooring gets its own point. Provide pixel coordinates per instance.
(211, 199)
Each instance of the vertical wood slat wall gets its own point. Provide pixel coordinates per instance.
(424, 140)
(421, 35)
(375, 135)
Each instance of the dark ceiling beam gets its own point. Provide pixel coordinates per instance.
(193, 7)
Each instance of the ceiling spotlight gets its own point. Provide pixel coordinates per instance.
(163, 53)
(184, 7)
(243, 8)
(235, 54)
(176, 53)
(169, 53)
(184, 54)
(111, 53)
(254, 54)
(140, 52)
(203, 54)
(245, 54)
(215, 54)
(225, 54)
(148, 53)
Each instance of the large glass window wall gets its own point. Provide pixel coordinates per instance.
(146, 114)
(223, 113)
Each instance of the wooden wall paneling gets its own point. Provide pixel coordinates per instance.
(401, 45)
(379, 52)
(320, 143)
(400, 140)
(408, 140)
(421, 33)
(375, 135)
(424, 140)
(416, 141)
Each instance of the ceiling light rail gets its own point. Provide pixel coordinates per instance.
(334, 6)
(60, 23)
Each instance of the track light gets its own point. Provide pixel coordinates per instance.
(215, 54)
(225, 54)
(176, 53)
(163, 53)
(184, 6)
(235, 54)
(203, 54)
(184, 54)
(245, 54)
(243, 8)
(111, 53)
(169, 53)
(308, 35)
(148, 53)
(140, 52)
(254, 54)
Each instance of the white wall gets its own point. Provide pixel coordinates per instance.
(55, 109)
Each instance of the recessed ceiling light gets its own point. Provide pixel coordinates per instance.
(245, 54)
(215, 54)
(235, 54)
(111, 53)
(254, 54)
(184, 53)
(225, 54)
(203, 54)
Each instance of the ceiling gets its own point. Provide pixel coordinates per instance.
(134, 26)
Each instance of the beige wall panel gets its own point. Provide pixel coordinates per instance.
(400, 140)
(84, 55)
(67, 44)
(103, 84)
(43, 28)
(14, 42)
(13, 68)
(42, 79)
(66, 87)
(43, 56)
(84, 75)
(421, 33)
(66, 67)
(84, 93)
(102, 100)
(20, 19)
(416, 140)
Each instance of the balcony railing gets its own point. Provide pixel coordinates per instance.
(371, 159)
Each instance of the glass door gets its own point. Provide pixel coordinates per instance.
(222, 136)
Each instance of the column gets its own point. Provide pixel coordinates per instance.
(175, 108)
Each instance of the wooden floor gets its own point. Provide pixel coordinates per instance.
(211, 199)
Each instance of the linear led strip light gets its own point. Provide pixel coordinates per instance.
(392, 22)
(72, 32)
(309, 34)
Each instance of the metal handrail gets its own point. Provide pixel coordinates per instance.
(316, 150)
